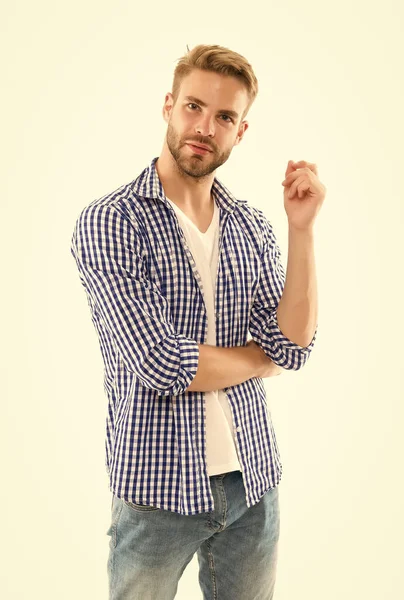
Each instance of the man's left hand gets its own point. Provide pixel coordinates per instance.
(303, 194)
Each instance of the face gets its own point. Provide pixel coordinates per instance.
(208, 121)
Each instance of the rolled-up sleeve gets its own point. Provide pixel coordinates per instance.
(263, 325)
(109, 252)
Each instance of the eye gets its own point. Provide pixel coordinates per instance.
(227, 116)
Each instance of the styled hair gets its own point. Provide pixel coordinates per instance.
(220, 60)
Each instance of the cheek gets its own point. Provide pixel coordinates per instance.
(184, 120)
(181, 126)
(176, 131)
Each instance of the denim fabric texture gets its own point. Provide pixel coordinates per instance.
(236, 546)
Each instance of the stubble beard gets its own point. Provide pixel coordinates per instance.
(197, 166)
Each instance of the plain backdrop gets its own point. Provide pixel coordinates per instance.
(83, 89)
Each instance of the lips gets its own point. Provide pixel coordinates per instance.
(201, 146)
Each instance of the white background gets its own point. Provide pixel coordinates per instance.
(84, 85)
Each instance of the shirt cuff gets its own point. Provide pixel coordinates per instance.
(188, 361)
(273, 327)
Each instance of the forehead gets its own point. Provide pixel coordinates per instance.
(215, 90)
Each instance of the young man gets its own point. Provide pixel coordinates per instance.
(177, 272)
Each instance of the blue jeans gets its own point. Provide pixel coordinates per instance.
(236, 546)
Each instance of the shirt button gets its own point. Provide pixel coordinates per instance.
(217, 315)
(238, 429)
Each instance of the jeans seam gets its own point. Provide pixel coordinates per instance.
(212, 570)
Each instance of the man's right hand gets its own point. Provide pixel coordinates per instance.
(265, 366)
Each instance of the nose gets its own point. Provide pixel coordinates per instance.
(205, 127)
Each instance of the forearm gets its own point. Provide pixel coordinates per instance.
(219, 367)
(297, 310)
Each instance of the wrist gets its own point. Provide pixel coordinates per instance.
(301, 231)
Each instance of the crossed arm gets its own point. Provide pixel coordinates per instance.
(109, 254)
(219, 367)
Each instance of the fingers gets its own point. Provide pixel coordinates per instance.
(299, 185)
(292, 166)
(298, 173)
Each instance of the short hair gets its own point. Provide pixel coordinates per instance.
(220, 60)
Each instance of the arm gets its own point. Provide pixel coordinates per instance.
(108, 250)
(298, 308)
(219, 367)
(278, 344)
(222, 367)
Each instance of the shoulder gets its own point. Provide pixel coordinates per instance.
(119, 206)
(110, 221)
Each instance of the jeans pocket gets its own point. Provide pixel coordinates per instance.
(140, 507)
(116, 510)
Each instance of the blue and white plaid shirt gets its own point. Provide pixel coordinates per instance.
(147, 306)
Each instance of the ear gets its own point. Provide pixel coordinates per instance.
(242, 129)
(168, 105)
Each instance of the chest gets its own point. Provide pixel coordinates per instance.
(175, 274)
(201, 220)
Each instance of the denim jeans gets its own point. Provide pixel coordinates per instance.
(236, 546)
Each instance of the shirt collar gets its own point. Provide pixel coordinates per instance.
(148, 185)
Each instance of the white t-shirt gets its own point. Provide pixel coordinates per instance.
(221, 448)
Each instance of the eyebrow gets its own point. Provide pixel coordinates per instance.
(230, 113)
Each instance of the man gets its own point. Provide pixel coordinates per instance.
(177, 271)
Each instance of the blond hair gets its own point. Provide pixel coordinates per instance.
(218, 60)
